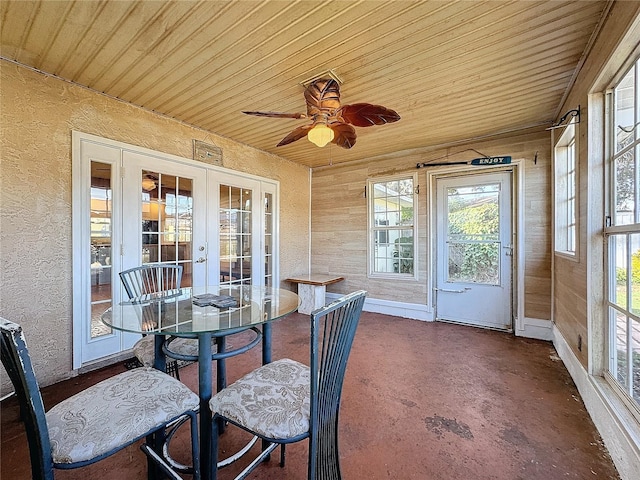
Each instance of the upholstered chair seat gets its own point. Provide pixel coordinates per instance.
(144, 349)
(273, 400)
(115, 412)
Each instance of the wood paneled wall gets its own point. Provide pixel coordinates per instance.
(339, 220)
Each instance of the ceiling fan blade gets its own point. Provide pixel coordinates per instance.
(366, 114)
(296, 134)
(322, 96)
(277, 114)
(344, 135)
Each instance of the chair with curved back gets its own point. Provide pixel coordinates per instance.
(303, 401)
(100, 420)
(148, 279)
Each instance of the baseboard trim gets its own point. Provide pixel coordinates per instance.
(619, 430)
(536, 328)
(415, 311)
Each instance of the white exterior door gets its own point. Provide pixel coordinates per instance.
(165, 218)
(474, 250)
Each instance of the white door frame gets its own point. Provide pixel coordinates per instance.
(518, 195)
(483, 304)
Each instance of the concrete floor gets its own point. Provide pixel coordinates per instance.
(424, 401)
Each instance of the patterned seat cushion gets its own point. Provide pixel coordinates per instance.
(115, 412)
(273, 400)
(144, 348)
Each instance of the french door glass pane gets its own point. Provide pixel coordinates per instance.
(235, 214)
(268, 236)
(167, 221)
(101, 238)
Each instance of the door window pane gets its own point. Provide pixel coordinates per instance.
(473, 234)
(167, 221)
(268, 238)
(235, 234)
(101, 214)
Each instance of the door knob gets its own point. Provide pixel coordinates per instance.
(201, 260)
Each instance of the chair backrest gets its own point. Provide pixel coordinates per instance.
(17, 363)
(151, 278)
(333, 328)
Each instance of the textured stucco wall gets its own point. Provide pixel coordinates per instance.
(38, 114)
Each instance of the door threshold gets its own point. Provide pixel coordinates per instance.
(466, 324)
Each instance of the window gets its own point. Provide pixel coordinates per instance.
(565, 192)
(623, 238)
(392, 223)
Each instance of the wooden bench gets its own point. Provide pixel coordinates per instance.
(312, 289)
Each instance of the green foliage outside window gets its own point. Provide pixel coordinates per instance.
(479, 262)
(621, 273)
(403, 248)
(403, 253)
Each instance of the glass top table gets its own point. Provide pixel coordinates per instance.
(189, 311)
(205, 313)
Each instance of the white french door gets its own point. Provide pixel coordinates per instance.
(474, 250)
(165, 219)
(133, 206)
(237, 203)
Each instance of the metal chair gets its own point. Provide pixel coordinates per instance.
(303, 401)
(151, 278)
(99, 421)
(148, 279)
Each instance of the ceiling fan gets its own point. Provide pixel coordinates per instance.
(332, 122)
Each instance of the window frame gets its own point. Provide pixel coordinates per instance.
(614, 229)
(377, 230)
(566, 194)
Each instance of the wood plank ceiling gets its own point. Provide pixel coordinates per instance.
(453, 70)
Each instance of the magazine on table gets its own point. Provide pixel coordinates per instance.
(210, 299)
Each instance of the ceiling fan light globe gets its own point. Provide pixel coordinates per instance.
(148, 184)
(320, 135)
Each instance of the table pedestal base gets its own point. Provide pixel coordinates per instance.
(311, 297)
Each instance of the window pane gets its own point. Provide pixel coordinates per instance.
(624, 246)
(620, 352)
(625, 188)
(619, 254)
(391, 207)
(625, 102)
(635, 342)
